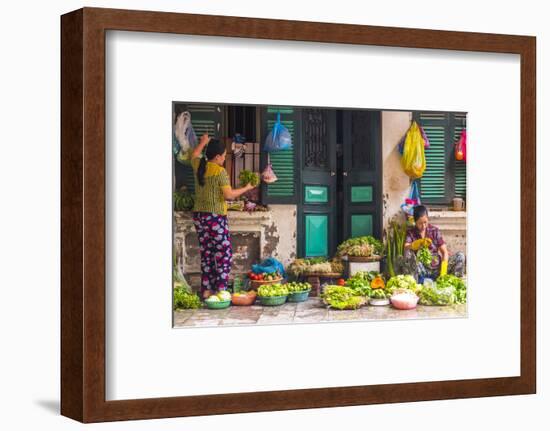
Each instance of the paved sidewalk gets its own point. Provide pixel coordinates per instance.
(311, 311)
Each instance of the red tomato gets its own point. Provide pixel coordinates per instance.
(341, 282)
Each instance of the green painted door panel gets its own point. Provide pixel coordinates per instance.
(361, 194)
(316, 194)
(361, 225)
(316, 240)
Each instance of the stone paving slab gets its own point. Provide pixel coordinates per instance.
(310, 311)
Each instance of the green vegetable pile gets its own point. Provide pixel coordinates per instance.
(272, 290)
(402, 282)
(424, 256)
(249, 177)
(456, 283)
(378, 294)
(342, 298)
(185, 299)
(360, 282)
(298, 287)
(365, 246)
(433, 295)
(183, 200)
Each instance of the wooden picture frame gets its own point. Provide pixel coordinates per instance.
(83, 214)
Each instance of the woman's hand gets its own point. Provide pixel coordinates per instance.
(202, 143)
(204, 139)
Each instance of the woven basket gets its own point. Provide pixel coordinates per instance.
(217, 305)
(298, 296)
(272, 300)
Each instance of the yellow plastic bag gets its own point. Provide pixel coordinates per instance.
(413, 160)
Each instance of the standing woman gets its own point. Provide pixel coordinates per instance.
(212, 188)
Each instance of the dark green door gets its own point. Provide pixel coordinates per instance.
(317, 223)
(362, 173)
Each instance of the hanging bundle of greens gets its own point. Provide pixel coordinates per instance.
(395, 244)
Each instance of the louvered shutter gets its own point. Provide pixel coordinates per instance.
(206, 118)
(444, 177)
(433, 183)
(284, 190)
(459, 165)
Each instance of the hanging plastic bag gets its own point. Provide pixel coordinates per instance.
(268, 175)
(412, 201)
(460, 147)
(401, 144)
(279, 138)
(425, 137)
(413, 160)
(185, 136)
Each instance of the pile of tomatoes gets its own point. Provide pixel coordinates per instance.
(264, 276)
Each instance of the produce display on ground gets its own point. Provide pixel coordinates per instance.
(183, 299)
(407, 282)
(361, 281)
(297, 287)
(342, 297)
(272, 290)
(433, 295)
(457, 283)
(249, 177)
(363, 246)
(315, 265)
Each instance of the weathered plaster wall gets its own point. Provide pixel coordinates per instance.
(255, 236)
(395, 183)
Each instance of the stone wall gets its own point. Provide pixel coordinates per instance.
(255, 236)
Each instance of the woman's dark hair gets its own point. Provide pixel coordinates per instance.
(214, 148)
(419, 211)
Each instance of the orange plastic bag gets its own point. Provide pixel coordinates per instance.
(413, 160)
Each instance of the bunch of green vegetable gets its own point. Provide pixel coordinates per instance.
(183, 200)
(456, 283)
(249, 177)
(364, 246)
(272, 290)
(424, 256)
(433, 295)
(342, 297)
(185, 299)
(360, 282)
(378, 294)
(297, 287)
(402, 282)
(314, 265)
(395, 244)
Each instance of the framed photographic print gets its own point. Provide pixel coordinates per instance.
(253, 209)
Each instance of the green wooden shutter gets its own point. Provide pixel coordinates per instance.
(206, 118)
(459, 165)
(284, 190)
(444, 177)
(433, 182)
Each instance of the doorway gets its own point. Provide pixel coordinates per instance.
(341, 177)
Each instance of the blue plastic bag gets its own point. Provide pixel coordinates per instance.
(269, 265)
(279, 138)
